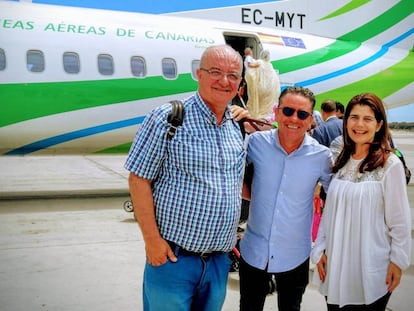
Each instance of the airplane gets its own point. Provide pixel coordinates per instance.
(80, 81)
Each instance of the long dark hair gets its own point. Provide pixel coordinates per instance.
(379, 149)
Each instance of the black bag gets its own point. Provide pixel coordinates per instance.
(399, 154)
(406, 169)
(175, 118)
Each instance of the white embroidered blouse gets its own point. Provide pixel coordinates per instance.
(366, 223)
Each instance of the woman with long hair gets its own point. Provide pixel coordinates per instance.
(364, 241)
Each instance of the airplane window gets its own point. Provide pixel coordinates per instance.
(169, 68)
(194, 65)
(138, 66)
(71, 62)
(35, 61)
(105, 64)
(2, 60)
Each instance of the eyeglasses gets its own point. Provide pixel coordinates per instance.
(302, 114)
(217, 74)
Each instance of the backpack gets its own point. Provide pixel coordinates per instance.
(399, 154)
(175, 118)
(407, 171)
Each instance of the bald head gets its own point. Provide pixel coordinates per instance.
(221, 52)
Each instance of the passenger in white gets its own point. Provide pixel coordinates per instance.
(263, 87)
(249, 61)
(364, 241)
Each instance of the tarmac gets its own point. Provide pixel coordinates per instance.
(67, 244)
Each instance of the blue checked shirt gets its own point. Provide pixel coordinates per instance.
(197, 175)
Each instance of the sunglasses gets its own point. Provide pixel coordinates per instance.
(302, 114)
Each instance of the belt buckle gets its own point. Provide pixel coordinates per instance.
(206, 254)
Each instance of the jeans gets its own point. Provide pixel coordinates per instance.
(290, 286)
(191, 283)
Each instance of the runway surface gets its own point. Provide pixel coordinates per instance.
(67, 244)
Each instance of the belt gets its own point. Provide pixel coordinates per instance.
(179, 250)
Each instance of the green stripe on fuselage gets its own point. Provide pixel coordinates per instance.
(334, 50)
(348, 42)
(25, 101)
(350, 6)
(381, 23)
(123, 148)
(402, 74)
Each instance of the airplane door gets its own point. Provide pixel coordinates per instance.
(240, 41)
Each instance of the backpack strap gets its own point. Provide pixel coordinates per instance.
(175, 118)
(399, 154)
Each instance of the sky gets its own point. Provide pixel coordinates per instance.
(149, 6)
(401, 114)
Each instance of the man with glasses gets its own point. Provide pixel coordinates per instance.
(187, 191)
(287, 165)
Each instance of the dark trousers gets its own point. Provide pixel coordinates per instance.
(290, 286)
(378, 305)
